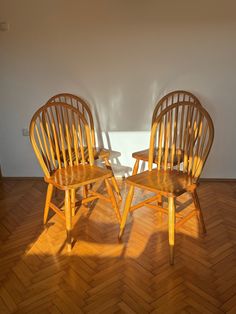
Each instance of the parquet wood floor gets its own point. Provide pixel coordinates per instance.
(100, 275)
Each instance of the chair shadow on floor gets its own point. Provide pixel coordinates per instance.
(103, 275)
(91, 222)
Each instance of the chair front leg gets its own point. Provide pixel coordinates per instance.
(113, 179)
(128, 203)
(48, 200)
(171, 227)
(68, 219)
(113, 200)
(199, 210)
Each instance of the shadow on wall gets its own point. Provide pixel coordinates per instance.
(131, 140)
(118, 168)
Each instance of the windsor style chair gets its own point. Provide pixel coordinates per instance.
(185, 127)
(99, 153)
(61, 139)
(166, 101)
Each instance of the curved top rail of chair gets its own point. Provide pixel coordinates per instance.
(58, 98)
(172, 95)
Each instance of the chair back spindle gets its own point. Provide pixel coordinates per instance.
(181, 137)
(80, 104)
(60, 135)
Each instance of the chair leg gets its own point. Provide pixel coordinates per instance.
(160, 204)
(113, 200)
(136, 166)
(73, 202)
(85, 191)
(55, 193)
(68, 219)
(128, 202)
(85, 194)
(48, 200)
(171, 227)
(113, 179)
(199, 210)
(159, 201)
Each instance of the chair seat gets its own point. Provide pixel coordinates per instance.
(167, 183)
(144, 154)
(76, 176)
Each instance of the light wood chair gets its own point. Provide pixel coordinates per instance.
(181, 128)
(83, 107)
(61, 139)
(166, 101)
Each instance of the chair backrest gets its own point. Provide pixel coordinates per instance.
(80, 104)
(60, 137)
(181, 138)
(173, 98)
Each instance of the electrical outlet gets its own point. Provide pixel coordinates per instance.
(4, 26)
(25, 132)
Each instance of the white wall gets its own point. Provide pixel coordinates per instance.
(122, 56)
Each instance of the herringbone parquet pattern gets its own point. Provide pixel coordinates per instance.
(100, 275)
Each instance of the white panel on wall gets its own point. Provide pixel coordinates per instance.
(121, 56)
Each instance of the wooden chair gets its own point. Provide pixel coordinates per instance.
(61, 139)
(99, 153)
(166, 101)
(183, 127)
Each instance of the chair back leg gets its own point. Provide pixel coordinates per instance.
(171, 227)
(113, 200)
(47, 203)
(128, 203)
(199, 211)
(113, 179)
(136, 166)
(68, 216)
(73, 201)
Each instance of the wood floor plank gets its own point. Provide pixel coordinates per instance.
(101, 275)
